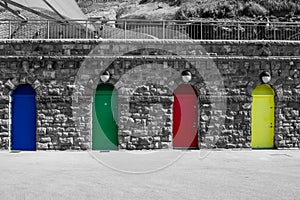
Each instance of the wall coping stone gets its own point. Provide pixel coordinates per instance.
(195, 58)
(149, 41)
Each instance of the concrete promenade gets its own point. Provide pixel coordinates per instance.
(164, 174)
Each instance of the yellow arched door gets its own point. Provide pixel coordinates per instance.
(262, 117)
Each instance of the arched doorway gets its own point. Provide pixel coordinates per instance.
(185, 117)
(105, 111)
(262, 117)
(23, 110)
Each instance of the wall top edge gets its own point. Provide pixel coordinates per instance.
(162, 57)
(150, 41)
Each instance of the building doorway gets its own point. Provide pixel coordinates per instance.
(23, 110)
(185, 117)
(262, 117)
(105, 111)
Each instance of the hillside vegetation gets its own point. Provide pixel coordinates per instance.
(238, 8)
(193, 9)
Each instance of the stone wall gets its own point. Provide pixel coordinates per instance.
(65, 74)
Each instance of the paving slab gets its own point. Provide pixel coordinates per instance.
(164, 174)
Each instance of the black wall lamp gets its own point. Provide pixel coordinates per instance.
(265, 77)
(186, 76)
(105, 76)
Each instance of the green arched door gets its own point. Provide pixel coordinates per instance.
(105, 111)
(262, 117)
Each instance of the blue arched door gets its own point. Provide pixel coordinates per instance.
(23, 129)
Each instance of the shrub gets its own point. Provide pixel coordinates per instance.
(280, 7)
(187, 11)
(208, 9)
(170, 2)
(225, 10)
(252, 9)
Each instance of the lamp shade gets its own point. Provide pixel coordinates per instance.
(105, 76)
(186, 76)
(265, 77)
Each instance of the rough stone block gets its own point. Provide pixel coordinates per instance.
(4, 121)
(41, 130)
(3, 134)
(42, 146)
(62, 140)
(229, 146)
(45, 139)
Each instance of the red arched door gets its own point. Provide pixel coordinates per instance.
(185, 117)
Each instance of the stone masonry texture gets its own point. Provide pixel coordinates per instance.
(65, 74)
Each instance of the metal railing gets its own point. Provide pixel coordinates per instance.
(142, 29)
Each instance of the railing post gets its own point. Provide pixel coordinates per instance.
(273, 26)
(9, 31)
(164, 31)
(201, 30)
(125, 24)
(48, 29)
(238, 31)
(86, 29)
